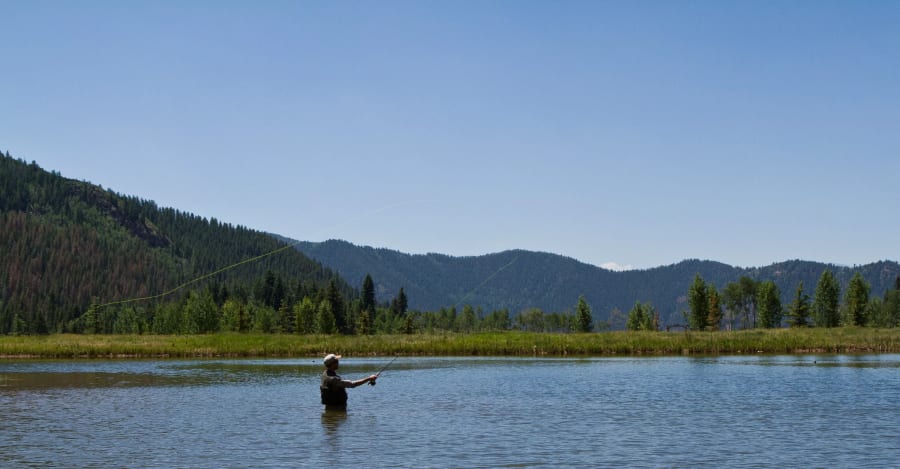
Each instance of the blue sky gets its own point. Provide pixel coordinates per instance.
(638, 133)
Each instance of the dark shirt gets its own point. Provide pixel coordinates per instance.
(334, 389)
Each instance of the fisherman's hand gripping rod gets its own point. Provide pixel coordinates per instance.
(372, 383)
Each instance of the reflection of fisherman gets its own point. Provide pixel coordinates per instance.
(334, 388)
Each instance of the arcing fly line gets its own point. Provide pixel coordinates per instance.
(202, 277)
(501, 269)
(236, 264)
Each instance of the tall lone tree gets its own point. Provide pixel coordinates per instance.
(827, 300)
(584, 322)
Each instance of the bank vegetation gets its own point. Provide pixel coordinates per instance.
(506, 343)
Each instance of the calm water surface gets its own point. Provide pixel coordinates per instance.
(759, 411)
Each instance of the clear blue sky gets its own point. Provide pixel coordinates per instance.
(639, 133)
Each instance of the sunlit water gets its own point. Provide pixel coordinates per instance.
(758, 411)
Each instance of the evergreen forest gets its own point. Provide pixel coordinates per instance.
(71, 252)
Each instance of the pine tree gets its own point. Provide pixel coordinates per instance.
(827, 301)
(799, 310)
(325, 321)
(891, 306)
(368, 294)
(338, 311)
(584, 322)
(856, 300)
(636, 317)
(698, 302)
(714, 317)
(264, 290)
(769, 310)
(399, 304)
(365, 324)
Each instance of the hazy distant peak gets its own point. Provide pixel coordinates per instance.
(615, 266)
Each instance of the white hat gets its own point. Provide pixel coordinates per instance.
(330, 358)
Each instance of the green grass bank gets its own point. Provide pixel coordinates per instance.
(511, 343)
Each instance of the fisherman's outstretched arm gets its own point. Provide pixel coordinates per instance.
(365, 380)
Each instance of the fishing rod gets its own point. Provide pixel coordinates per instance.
(372, 383)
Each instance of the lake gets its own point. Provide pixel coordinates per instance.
(735, 411)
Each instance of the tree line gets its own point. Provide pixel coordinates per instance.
(273, 306)
(749, 303)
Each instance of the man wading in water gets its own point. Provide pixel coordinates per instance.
(334, 388)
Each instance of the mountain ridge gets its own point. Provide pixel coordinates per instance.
(519, 279)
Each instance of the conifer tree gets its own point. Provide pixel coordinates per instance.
(367, 307)
(714, 318)
(825, 307)
(856, 300)
(769, 310)
(337, 310)
(584, 322)
(799, 310)
(399, 304)
(698, 302)
(325, 321)
(891, 306)
(368, 294)
(636, 317)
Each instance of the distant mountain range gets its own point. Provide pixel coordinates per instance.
(518, 279)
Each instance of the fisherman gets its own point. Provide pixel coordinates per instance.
(334, 388)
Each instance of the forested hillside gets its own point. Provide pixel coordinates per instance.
(518, 280)
(67, 244)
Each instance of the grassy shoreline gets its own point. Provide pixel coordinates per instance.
(511, 343)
